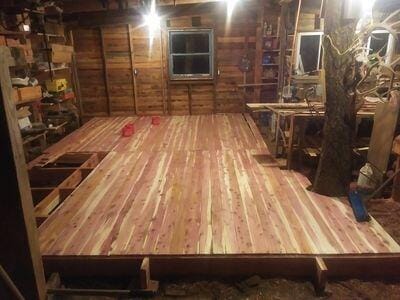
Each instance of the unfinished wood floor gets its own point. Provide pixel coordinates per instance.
(196, 185)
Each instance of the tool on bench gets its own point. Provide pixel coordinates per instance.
(359, 209)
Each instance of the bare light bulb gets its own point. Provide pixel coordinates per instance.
(152, 21)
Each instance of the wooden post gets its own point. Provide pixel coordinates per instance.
(321, 272)
(291, 143)
(282, 47)
(132, 58)
(162, 69)
(146, 284)
(189, 86)
(258, 69)
(396, 181)
(75, 79)
(103, 52)
(19, 247)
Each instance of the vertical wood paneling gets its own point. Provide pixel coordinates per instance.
(90, 68)
(119, 70)
(127, 48)
(149, 79)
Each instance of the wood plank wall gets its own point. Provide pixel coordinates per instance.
(119, 74)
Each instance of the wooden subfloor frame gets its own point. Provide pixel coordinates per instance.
(365, 266)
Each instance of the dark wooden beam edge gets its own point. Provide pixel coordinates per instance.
(364, 266)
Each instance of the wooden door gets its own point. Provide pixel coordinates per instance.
(148, 71)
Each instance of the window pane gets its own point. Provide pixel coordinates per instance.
(309, 49)
(379, 41)
(190, 43)
(191, 64)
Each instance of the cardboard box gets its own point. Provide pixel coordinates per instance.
(53, 28)
(24, 122)
(13, 42)
(61, 53)
(14, 95)
(30, 93)
(56, 85)
(23, 112)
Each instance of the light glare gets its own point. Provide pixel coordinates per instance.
(152, 21)
(230, 4)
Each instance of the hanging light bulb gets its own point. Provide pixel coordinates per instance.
(152, 21)
(230, 5)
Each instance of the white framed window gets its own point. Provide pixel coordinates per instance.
(382, 42)
(308, 52)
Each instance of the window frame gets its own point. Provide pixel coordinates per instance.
(298, 44)
(390, 48)
(177, 77)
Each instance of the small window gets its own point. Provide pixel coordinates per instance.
(378, 42)
(382, 42)
(191, 54)
(308, 57)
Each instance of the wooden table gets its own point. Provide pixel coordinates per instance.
(296, 112)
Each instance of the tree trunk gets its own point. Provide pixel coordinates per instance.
(335, 165)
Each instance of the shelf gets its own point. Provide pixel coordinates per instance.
(7, 32)
(255, 85)
(271, 37)
(267, 78)
(62, 101)
(270, 65)
(52, 69)
(272, 50)
(32, 138)
(27, 101)
(50, 34)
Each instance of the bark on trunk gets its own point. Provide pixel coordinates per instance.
(335, 165)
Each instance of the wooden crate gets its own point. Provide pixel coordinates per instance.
(14, 95)
(3, 40)
(53, 28)
(29, 93)
(61, 53)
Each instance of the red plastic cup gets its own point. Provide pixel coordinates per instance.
(155, 120)
(128, 130)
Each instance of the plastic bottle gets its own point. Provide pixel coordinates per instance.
(364, 178)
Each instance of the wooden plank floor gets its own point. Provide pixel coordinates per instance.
(197, 185)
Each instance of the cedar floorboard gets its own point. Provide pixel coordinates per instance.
(196, 185)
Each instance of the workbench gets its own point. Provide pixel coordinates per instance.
(294, 114)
